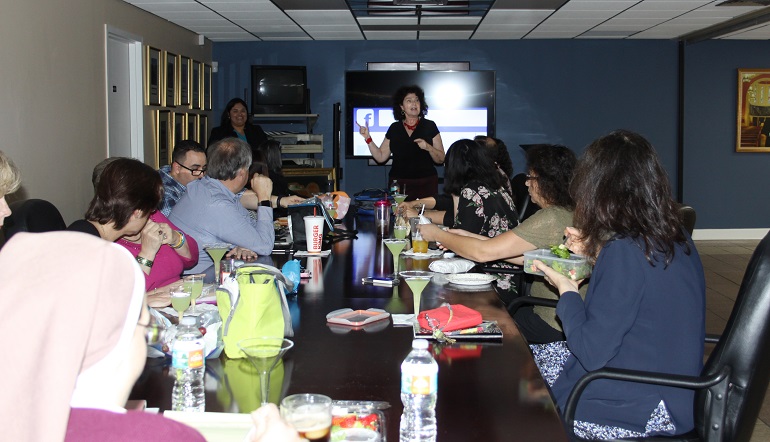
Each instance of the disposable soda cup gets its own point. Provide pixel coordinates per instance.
(314, 233)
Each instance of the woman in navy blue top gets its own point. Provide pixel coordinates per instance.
(645, 306)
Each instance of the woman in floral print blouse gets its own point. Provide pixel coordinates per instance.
(482, 205)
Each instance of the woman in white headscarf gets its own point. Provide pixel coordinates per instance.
(76, 306)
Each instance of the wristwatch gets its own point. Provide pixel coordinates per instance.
(265, 203)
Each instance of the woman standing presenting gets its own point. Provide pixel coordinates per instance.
(415, 143)
(235, 123)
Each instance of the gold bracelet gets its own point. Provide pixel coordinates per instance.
(144, 262)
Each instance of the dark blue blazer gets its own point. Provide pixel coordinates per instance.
(635, 316)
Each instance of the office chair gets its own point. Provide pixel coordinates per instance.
(688, 216)
(732, 385)
(33, 215)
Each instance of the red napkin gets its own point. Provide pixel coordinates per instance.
(458, 318)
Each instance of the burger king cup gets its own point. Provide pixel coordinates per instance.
(314, 233)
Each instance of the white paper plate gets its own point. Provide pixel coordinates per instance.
(470, 278)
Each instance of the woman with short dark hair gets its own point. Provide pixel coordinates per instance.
(235, 123)
(124, 210)
(415, 143)
(645, 307)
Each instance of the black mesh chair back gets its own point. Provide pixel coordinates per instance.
(33, 215)
(744, 352)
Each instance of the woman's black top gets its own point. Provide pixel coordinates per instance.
(254, 135)
(409, 161)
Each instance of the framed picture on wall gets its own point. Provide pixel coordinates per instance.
(203, 130)
(184, 80)
(753, 128)
(206, 87)
(195, 84)
(153, 74)
(171, 100)
(163, 140)
(192, 127)
(180, 128)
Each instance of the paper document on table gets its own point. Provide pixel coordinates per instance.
(220, 427)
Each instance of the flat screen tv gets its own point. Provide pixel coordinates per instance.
(279, 90)
(462, 103)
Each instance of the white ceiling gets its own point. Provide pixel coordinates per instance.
(288, 20)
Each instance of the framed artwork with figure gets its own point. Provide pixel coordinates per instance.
(753, 129)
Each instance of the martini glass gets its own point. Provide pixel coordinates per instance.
(399, 197)
(264, 353)
(180, 299)
(193, 284)
(217, 252)
(417, 281)
(395, 246)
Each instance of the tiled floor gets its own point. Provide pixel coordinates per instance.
(724, 263)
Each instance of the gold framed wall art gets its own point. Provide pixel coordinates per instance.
(753, 127)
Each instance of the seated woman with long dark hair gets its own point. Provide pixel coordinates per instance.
(235, 123)
(645, 307)
(482, 206)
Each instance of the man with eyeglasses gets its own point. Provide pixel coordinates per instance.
(189, 164)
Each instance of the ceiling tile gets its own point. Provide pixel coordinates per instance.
(322, 17)
(450, 20)
(598, 5)
(379, 21)
(504, 17)
(498, 35)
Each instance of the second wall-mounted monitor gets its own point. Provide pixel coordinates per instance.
(279, 90)
(462, 103)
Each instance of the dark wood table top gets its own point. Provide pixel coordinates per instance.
(486, 391)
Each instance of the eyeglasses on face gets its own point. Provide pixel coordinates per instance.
(153, 332)
(194, 172)
(531, 177)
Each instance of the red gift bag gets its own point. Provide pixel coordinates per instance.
(449, 317)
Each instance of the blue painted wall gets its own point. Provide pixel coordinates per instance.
(555, 91)
(730, 188)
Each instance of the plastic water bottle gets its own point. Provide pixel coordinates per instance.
(188, 365)
(419, 373)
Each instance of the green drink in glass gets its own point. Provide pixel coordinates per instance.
(395, 246)
(217, 252)
(399, 197)
(180, 301)
(417, 281)
(193, 284)
(400, 232)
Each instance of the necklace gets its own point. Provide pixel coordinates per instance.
(411, 127)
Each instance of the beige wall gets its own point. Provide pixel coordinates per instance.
(53, 121)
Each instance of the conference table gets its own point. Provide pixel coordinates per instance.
(489, 391)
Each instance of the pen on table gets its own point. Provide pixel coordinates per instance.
(467, 331)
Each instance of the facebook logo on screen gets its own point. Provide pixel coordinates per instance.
(365, 117)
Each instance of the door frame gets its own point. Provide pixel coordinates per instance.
(136, 95)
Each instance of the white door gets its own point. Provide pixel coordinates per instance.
(124, 95)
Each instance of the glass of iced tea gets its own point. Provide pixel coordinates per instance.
(309, 414)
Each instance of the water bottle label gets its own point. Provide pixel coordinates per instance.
(187, 355)
(419, 381)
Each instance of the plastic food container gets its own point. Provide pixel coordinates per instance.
(575, 267)
(354, 421)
